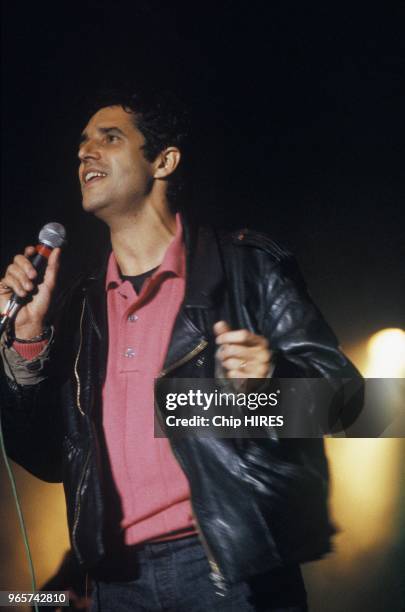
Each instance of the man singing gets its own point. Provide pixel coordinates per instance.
(199, 523)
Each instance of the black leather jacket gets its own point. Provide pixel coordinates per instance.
(259, 503)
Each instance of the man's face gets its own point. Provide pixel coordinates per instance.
(114, 174)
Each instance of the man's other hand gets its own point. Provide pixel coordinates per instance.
(242, 354)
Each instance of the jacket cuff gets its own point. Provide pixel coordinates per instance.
(21, 370)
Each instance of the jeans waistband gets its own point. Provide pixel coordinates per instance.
(122, 564)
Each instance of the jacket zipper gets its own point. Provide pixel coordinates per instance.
(200, 347)
(78, 402)
(216, 574)
(77, 508)
(77, 499)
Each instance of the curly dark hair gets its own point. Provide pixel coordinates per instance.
(163, 120)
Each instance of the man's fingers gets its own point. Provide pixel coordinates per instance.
(20, 275)
(24, 264)
(17, 279)
(29, 250)
(235, 364)
(242, 353)
(221, 327)
(237, 368)
(238, 351)
(14, 286)
(241, 336)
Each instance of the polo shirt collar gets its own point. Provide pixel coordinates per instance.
(173, 261)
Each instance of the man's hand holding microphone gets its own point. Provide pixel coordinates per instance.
(28, 284)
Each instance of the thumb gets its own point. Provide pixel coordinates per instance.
(220, 327)
(52, 268)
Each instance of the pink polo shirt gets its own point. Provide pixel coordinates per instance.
(153, 491)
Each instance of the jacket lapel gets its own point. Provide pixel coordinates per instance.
(96, 298)
(204, 283)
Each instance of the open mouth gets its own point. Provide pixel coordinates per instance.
(93, 176)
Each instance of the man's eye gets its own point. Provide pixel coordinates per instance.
(112, 137)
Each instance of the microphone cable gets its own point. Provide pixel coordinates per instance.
(21, 521)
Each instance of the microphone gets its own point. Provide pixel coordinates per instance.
(51, 236)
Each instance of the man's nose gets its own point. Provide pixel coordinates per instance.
(89, 150)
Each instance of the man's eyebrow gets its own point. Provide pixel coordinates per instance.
(103, 130)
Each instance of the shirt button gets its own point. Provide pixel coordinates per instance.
(132, 318)
(129, 352)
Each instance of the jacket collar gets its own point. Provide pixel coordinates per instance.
(204, 270)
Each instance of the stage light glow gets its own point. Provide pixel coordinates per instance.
(386, 354)
(365, 475)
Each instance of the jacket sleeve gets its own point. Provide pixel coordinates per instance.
(31, 393)
(305, 347)
(31, 426)
(30, 405)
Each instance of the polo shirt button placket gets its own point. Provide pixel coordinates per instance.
(132, 318)
(129, 352)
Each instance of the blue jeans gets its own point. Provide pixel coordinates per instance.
(175, 577)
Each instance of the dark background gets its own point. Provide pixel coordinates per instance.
(298, 129)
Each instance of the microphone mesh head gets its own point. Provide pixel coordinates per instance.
(53, 235)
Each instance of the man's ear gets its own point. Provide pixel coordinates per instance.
(167, 162)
